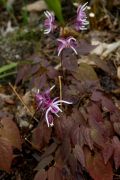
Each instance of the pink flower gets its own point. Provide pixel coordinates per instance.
(81, 20)
(49, 23)
(49, 106)
(69, 42)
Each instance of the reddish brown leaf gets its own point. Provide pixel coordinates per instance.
(23, 73)
(96, 95)
(117, 127)
(79, 154)
(107, 152)
(49, 150)
(51, 173)
(6, 154)
(108, 105)
(97, 137)
(41, 175)
(41, 135)
(96, 167)
(72, 161)
(77, 135)
(116, 145)
(84, 48)
(69, 60)
(66, 148)
(88, 138)
(10, 132)
(85, 72)
(94, 112)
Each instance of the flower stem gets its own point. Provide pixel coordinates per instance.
(60, 85)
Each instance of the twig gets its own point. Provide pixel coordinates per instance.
(13, 88)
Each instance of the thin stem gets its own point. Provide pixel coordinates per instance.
(60, 85)
(13, 88)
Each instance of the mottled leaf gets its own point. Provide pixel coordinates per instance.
(83, 48)
(97, 137)
(69, 60)
(116, 145)
(10, 132)
(49, 150)
(107, 152)
(95, 112)
(96, 167)
(87, 137)
(65, 149)
(85, 72)
(6, 154)
(116, 126)
(79, 154)
(44, 162)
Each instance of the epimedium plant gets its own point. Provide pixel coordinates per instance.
(77, 134)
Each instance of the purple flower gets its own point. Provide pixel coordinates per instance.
(69, 42)
(81, 20)
(49, 106)
(49, 22)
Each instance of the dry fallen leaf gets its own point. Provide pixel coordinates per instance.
(118, 72)
(36, 6)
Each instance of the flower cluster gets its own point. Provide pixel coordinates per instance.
(80, 24)
(49, 106)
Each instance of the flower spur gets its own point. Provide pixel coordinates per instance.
(81, 20)
(69, 42)
(49, 22)
(49, 106)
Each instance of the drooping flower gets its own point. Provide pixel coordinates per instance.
(81, 20)
(50, 106)
(49, 22)
(69, 42)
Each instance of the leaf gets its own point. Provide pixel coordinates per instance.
(85, 72)
(41, 135)
(83, 48)
(56, 7)
(44, 162)
(49, 150)
(41, 175)
(107, 152)
(6, 154)
(51, 173)
(77, 135)
(96, 95)
(65, 149)
(116, 126)
(88, 138)
(96, 167)
(10, 132)
(23, 73)
(116, 145)
(97, 137)
(79, 154)
(54, 173)
(69, 60)
(8, 67)
(108, 105)
(95, 112)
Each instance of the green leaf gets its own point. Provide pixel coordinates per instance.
(56, 7)
(7, 67)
